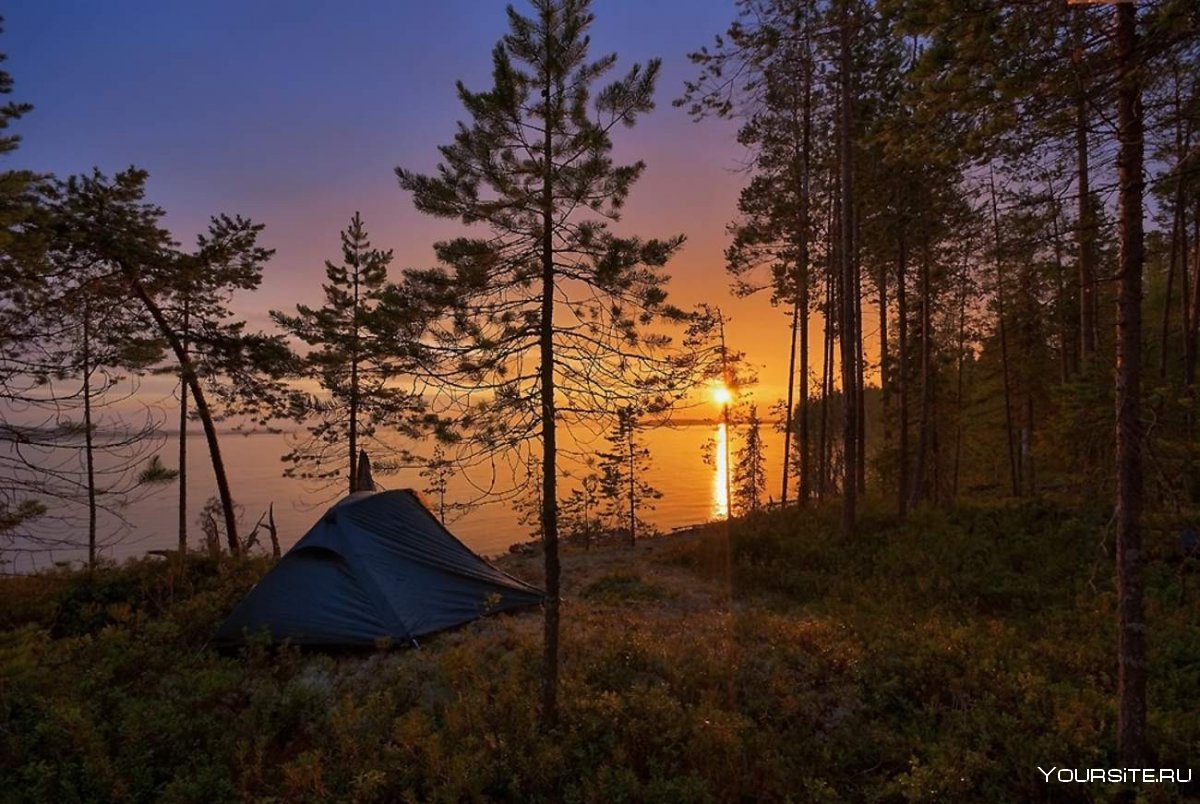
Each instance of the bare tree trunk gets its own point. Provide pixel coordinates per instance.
(1065, 341)
(935, 451)
(885, 385)
(354, 396)
(826, 388)
(919, 470)
(1029, 341)
(188, 371)
(549, 424)
(1193, 322)
(847, 329)
(1131, 717)
(88, 437)
(962, 354)
(1087, 227)
(273, 531)
(728, 382)
(632, 488)
(789, 416)
(1185, 299)
(832, 305)
(800, 301)
(1002, 326)
(902, 374)
(183, 428)
(860, 402)
(1177, 227)
(805, 211)
(805, 463)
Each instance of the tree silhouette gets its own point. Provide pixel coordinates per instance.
(357, 368)
(750, 469)
(110, 221)
(544, 320)
(622, 468)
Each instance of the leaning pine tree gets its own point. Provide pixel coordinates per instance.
(541, 320)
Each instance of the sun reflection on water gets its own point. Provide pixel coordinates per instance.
(720, 506)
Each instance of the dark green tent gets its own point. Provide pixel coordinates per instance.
(376, 565)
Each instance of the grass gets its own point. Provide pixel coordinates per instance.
(939, 660)
(622, 588)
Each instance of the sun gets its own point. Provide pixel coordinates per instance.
(722, 395)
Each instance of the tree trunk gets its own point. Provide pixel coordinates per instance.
(354, 394)
(805, 466)
(1065, 341)
(860, 402)
(1193, 322)
(1029, 375)
(1185, 299)
(1087, 229)
(632, 489)
(885, 385)
(188, 370)
(805, 211)
(549, 433)
(727, 380)
(788, 416)
(1178, 222)
(183, 422)
(800, 303)
(1002, 326)
(1131, 683)
(926, 422)
(89, 446)
(958, 397)
(902, 373)
(847, 329)
(826, 388)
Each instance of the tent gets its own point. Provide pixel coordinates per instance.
(377, 564)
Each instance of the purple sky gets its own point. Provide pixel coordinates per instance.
(296, 114)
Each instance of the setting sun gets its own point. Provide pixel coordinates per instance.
(722, 395)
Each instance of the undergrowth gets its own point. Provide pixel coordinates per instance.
(944, 659)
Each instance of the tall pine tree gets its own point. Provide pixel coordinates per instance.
(545, 315)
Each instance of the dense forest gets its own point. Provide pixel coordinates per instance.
(983, 221)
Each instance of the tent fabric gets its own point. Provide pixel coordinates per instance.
(375, 565)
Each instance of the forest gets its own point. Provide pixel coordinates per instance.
(976, 570)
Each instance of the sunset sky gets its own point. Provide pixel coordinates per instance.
(297, 119)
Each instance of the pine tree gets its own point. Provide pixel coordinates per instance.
(1131, 683)
(111, 223)
(357, 366)
(622, 475)
(92, 334)
(437, 473)
(544, 316)
(749, 472)
(580, 511)
(21, 256)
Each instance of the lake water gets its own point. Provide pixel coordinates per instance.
(693, 492)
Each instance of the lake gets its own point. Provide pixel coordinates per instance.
(693, 492)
